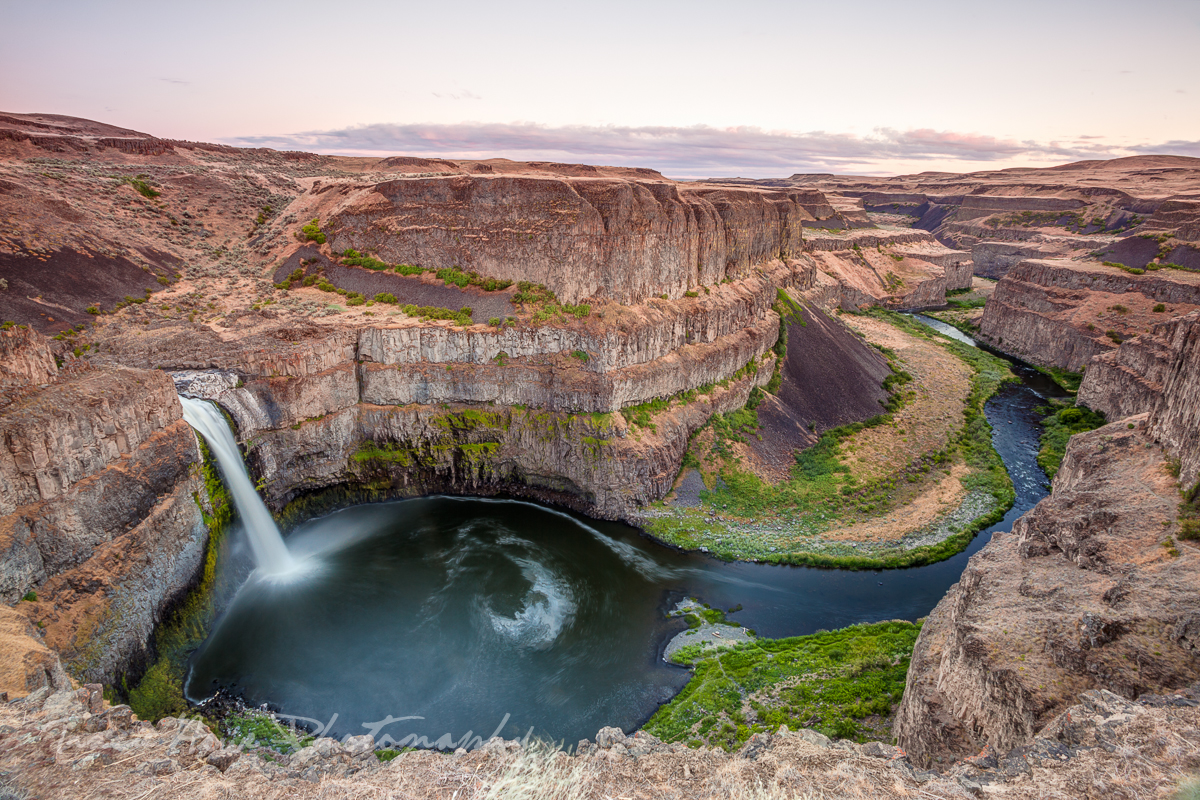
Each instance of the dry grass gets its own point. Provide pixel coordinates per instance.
(1159, 752)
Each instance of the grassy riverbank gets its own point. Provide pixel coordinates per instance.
(844, 683)
(910, 486)
(1062, 423)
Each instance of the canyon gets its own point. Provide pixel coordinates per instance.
(387, 328)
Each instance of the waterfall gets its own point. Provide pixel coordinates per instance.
(270, 553)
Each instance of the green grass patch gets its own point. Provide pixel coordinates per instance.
(830, 682)
(1057, 430)
(159, 693)
(252, 729)
(140, 186)
(970, 302)
(1067, 380)
(461, 317)
(642, 414)
(821, 488)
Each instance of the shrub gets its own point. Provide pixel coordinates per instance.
(460, 317)
(494, 322)
(366, 262)
(312, 232)
(356, 300)
(310, 280)
(141, 187)
(581, 355)
(1159, 308)
(1189, 529)
(1116, 337)
(93, 310)
(1058, 428)
(386, 297)
(30, 597)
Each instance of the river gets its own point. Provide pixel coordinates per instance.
(460, 618)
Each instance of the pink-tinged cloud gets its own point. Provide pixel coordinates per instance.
(682, 151)
(1176, 147)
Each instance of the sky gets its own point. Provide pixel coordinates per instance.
(756, 88)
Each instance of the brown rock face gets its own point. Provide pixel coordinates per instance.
(1156, 373)
(1058, 313)
(1080, 595)
(25, 359)
(623, 240)
(26, 664)
(97, 512)
(1083, 593)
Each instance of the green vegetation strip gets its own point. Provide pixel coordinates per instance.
(822, 490)
(450, 276)
(160, 692)
(832, 682)
(1068, 381)
(1058, 428)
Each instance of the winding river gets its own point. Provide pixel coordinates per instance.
(442, 621)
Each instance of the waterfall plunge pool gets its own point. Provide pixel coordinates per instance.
(437, 620)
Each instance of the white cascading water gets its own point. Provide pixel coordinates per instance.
(270, 553)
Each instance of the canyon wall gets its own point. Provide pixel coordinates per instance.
(624, 240)
(1092, 589)
(98, 519)
(1080, 595)
(346, 425)
(1156, 373)
(1059, 313)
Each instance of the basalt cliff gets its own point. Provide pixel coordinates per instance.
(382, 327)
(1091, 589)
(395, 327)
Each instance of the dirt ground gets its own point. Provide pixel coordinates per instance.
(829, 379)
(940, 386)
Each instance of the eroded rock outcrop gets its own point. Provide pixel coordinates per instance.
(97, 479)
(1060, 313)
(26, 664)
(1082, 594)
(1156, 373)
(625, 240)
(25, 359)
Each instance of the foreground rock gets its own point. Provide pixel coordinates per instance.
(70, 744)
(1082, 594)
(100, 527)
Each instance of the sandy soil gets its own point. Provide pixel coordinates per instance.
(940, 386)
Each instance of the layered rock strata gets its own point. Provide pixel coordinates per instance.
(1156, 373)
(625, 240)
(1060, 313)
(97, 512)
(1082, 594)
